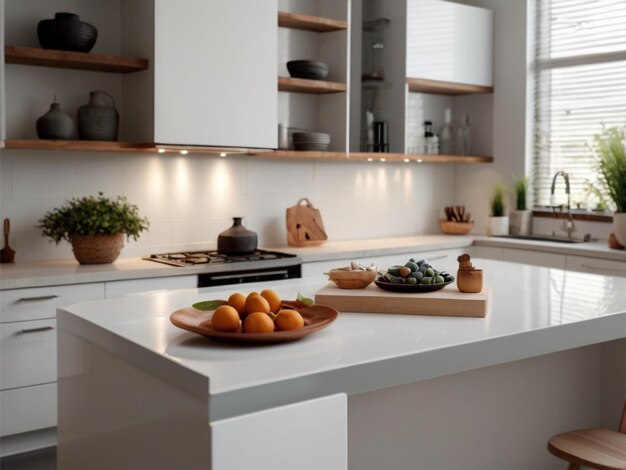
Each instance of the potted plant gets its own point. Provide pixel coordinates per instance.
(521, 217)
(498, 221)
(95, 226)
(611, 165)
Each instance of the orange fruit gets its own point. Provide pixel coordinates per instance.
(226, 318)
(258, 322)
(238, 302)
(272, 298)
(256, 303)
(253, 293)
(288, 319)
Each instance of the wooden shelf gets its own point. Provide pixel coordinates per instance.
(302, 85)
(375, 157)
(317, 24)
(420, 85)
(121, 147)
(72, 60)
(128, 147)
(78, 145)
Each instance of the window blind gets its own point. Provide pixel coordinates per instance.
(580, 85)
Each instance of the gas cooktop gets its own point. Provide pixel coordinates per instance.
(196, 258)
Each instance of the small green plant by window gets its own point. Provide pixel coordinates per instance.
(497, 201)
(610, 150)
(93, 216)
(520, 185)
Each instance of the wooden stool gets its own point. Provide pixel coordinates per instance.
(595, 448)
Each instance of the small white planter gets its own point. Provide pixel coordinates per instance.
(498, 226)
(619, 227)
(521, 222)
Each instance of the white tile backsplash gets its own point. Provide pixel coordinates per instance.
(190, 200)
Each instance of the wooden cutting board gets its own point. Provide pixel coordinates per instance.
(448, 301)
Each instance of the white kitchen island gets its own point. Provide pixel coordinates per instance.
(369, 392)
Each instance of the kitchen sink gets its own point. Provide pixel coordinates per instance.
(545, 238)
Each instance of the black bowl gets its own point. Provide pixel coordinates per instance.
(310, 69)
(414, 288)
(66, 33)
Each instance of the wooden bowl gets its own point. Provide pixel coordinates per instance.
(455, 228)
(345, 278)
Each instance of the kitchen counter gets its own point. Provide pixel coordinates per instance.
(534, 311)
(65, 272)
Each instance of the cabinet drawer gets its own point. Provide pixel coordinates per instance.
(596, 266)
(28, 353)
(41, 302)
(136, 286)
(27, 409)
(536, 258)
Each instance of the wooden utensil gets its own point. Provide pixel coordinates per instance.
(7, 255)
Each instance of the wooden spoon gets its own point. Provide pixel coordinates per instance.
(7, 255)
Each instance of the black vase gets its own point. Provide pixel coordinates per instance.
(55, 124)
(98, 120)
(237, 240)
(66, 33)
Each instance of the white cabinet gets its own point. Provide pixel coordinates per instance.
(213, 74)
(28, 359)
(28, 353)
(139, 286)
(596, 266)
(311, 435)
(450, 42)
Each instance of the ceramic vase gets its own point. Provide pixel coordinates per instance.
(237, 240)
(619, 227)
(66, 33)
(98, 120)
(498, 226)
(55, 124)
(521, 222)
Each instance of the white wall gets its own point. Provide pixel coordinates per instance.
(190, 199)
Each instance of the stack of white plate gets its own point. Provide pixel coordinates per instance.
(310, 141)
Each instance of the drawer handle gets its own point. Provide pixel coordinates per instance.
(36, 299)
(35, 330)
(588, 266)
(437, 257)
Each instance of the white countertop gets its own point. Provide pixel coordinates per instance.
(534, 311)
(51, 273)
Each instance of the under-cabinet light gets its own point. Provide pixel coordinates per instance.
(184, 152)
(161, 150)
(406, 160)
(419, 161)
(383, 160)
(370, 159)
(223, 154)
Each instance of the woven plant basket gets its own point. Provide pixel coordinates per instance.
(97, 249)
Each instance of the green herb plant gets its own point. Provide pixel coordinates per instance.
(610, 150)
(520, 185)
(497, 201)
(93, 216)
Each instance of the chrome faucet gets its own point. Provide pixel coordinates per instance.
(568, 225)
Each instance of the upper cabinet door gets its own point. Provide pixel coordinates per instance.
(215, 73)
(449, 42)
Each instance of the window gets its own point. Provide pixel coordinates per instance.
(580, 85)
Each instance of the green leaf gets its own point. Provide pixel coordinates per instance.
(304, 300)
(208, 305)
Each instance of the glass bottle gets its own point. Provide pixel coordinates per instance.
(463, 136)
(446, 141)
(428, 135)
